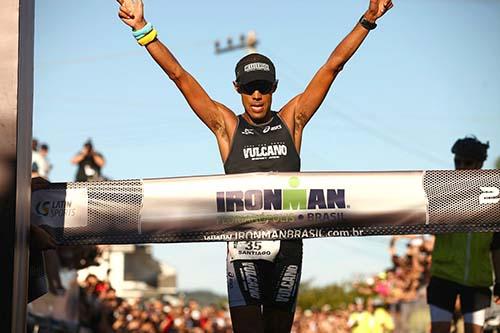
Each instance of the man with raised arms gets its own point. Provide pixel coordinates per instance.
(262, 287)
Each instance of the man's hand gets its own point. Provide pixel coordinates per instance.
(41, 240)
(496, 293)
(132, 13)
(377, 9)
(39, 183)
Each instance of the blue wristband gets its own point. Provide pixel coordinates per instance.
(138, 34)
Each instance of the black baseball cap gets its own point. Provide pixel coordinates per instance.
(254, 67)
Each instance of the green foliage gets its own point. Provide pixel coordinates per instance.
(335, 295)
(205, 297)
(497, 164)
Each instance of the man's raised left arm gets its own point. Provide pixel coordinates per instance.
(310, 100)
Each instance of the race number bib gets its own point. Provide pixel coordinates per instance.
(253, 250)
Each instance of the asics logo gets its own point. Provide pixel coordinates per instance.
(273, 128)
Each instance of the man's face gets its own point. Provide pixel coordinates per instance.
(91, 281)
(360, 306)
(87, 148)
(256, 97)
(464, 163)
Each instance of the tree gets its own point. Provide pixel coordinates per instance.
(335, 295)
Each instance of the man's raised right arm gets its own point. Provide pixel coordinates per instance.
(215, 115)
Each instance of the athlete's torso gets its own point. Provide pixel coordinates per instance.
(261, 148)
(463, 258)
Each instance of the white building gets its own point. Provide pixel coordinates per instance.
(133, 272)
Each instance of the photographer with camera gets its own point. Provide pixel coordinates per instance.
(89, 163)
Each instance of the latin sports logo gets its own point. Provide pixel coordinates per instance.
(293, 198)
(55, 208)
(42, 208)
(489, 195)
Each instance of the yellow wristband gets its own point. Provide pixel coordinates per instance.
(151, 36)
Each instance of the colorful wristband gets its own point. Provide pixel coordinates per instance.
(138, 34)
(151, 36)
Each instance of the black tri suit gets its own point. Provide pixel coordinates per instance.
(268, 280)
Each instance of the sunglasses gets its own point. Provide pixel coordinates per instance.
(264, 87)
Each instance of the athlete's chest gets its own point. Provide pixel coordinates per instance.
(271, 141)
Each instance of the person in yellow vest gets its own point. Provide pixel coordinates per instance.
(384, 323)
(359, 320)
(462, 262)
(371, 319)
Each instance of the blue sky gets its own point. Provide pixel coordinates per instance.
(426, 76)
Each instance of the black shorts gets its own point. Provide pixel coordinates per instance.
(261, 282)
(443, 294)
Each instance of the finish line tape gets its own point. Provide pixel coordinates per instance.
(269, 206)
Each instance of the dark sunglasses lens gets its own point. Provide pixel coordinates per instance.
(265, 88)
(262, 87)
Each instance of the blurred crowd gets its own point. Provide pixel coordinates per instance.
(406, 280)
(390, 301)
(364, 316)
(378, 308)
(321, 320)
(100, 310)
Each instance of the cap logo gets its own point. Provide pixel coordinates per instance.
(256, 66)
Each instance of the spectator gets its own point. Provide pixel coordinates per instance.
(34, 144)
(384, 323)
(90, 163)
(40, 163)
(148, 326)
(359, 320)
(410, 268)
(34, 158)
(461, 262)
